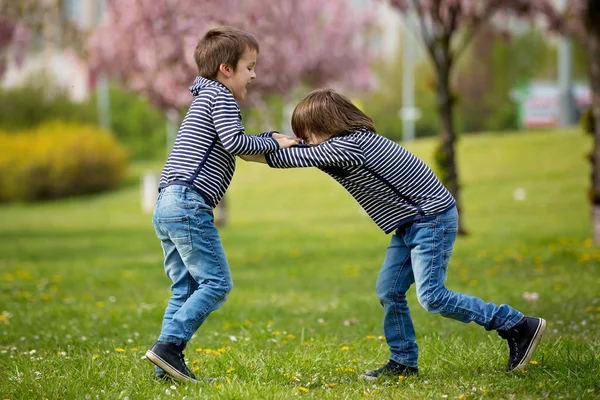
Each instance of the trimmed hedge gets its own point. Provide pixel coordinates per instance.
(58, 160)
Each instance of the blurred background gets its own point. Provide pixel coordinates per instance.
(119, 71)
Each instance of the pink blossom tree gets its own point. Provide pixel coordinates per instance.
(149, 44)
(446, 27)
(16, 21)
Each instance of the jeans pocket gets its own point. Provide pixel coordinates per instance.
(178, 230)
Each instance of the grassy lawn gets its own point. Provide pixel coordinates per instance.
(82, 288)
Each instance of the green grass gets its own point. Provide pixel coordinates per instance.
(82, 288)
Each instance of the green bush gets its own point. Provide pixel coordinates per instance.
(28, 106)
(134, 122)
(58, 160)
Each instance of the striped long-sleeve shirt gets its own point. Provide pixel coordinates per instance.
(209, 138)
(391, 184)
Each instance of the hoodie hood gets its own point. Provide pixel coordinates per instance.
(201, 82)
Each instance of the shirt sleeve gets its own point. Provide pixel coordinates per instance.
(336, 152)
(268, 134)
(228, 124)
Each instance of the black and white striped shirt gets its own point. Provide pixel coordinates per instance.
(209, 138)
(391, 184)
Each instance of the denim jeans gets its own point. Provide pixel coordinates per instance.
(194, 261)
(419, 253)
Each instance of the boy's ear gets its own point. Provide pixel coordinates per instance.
(225, 69)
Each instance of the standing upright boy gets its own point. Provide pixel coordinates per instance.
(194, 180)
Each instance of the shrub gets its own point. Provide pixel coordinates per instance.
(135, 123)
(57, 160)
(35, 103)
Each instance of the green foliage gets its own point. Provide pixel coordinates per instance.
(136, 124)
(35, 103)
(134, 121)
(83, 288)
(384, 104)
(58, 160)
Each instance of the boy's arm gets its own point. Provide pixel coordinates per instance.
(228, 124)
(338, 152)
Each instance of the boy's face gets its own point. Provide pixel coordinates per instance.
(238, 80)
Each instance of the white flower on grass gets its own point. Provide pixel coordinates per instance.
(112, 299)
(531, 296)
(233, 338)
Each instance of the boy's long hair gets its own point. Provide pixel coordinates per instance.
(222, 45)
(326, 113)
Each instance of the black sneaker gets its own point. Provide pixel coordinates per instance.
(391, 369)
(523, 339)
(169, 357)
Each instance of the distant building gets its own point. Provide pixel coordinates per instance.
(49, 57)
(539, 102)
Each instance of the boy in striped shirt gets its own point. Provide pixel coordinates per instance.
(402, 195)
(193, 181)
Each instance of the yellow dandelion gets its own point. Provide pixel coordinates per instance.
(400, 378)
(295, 378)
(134, 349)
(330, 385)
(95, 357)
(370, 337)
(199, 350)
(483, 390)
(276, 333)
(195, 361)
(533, 362)
(120, 350)
(345, 348)
(100, 304)
(303, 389)
(3, 318)
(196, 369)
(219, 386)
(230, 370)
(462, 396)
(523, 371)
(291, 336)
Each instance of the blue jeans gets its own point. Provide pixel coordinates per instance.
(194, 261)
(419, 253)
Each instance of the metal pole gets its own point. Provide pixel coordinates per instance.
(408, 82)
(102, 90)
(566, 110)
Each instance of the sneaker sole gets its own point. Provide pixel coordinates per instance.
(532, 346)
(173, 373)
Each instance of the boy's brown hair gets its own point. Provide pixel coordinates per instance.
(222, 45)
(326, 113)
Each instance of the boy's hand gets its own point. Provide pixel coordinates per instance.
(285, 141)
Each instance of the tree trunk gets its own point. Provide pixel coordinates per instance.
(446, 155)
(593, 46)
